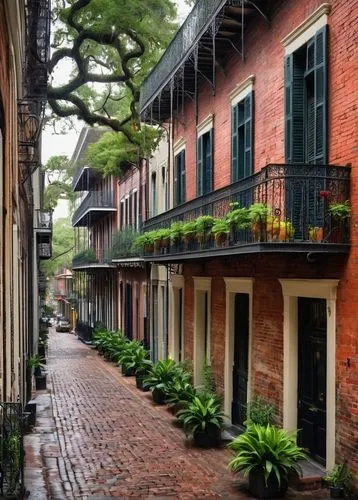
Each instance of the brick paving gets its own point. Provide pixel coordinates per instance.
(98, 436)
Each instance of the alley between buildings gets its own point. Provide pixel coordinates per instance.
(106, 438)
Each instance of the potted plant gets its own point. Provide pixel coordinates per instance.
(176, 233)
(267, 455)
(340, 213)
(286, 231)
(259, 412)
(259, 214)
(238, 217)
(339, 480)
(180, 390)
(160, 375)
(203, 419)
(220, 230)
(203, 225)
(145, 242)
(132, 353)
(315, 233)
(143, 369)
(189, 232)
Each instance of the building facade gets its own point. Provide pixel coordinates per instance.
(262, 103)
(25, 230)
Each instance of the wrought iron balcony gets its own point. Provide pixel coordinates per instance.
(84, 179)
(43, 226)
(92, 259)
(11, 450)
(38, 19)
(123, 251)
(95, 206)
(202, 42)
(44, 250)
(299, 200)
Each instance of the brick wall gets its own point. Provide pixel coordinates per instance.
(264, 56)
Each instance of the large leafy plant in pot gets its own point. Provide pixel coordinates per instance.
(180, 391)
(203, 419)
(267, 455)
(132, 354)
(160, 376)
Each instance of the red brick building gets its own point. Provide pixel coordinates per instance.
(263, 101)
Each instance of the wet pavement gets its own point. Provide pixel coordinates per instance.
(97, 436)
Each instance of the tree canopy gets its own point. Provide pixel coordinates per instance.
(62, 248)
(59, 172)
(111, 45)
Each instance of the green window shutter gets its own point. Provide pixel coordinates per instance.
(248, 135)
(294, 110)
(183, 178)
(199, 166)
(234, 144)
(209, 163)
(175, 183)
(288, 107)
(320, 94)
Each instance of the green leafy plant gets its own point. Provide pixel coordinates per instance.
(259, 412)
(203, 225)
(133, 356)
(123, 243)
(35, 361)
(340, 477)
(220, 230)
(179, 393)
(189, 230)
(258, 212)
(162, 373)
(176, 232)
(87, 256)
(145, 241)
(202, 418)
(340, 211)
(238, 217)
(266, 449)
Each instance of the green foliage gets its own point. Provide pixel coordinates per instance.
(340, 210)
(259, 412)
(86, 256)
(11, 448)
(112, 45)
(123, 243)
(62, 247)
(201, 414)
(176, 232)
(258, 212)
(238, 217)
(162, 374)
(59, 172)
(267, 449)
(220, 227)
(180, 392)
(114, 150)
(340, 477)
(34, 362)
(134, 356)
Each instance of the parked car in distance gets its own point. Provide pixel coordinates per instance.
(63, 325)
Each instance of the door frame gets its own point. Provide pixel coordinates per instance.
(233, 286)
(201, 284)
(310, 288)
(176, 283)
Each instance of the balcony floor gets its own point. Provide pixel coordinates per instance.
(251, 248)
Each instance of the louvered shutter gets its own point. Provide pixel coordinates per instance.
(248, 135)
(209, 162)
(199, 166)
(234, 144)
(175, 184)
(182, 178)
(320, 93)
(294, 110)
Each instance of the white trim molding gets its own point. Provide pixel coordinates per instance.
(176, 283)
(201, 356)
(291, 290)
(242, 90)
(179, 146)
(235, 285)
(206, 125)
(306, 30)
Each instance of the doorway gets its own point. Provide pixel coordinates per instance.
(240, 369)
(312, 376)
(128, 312)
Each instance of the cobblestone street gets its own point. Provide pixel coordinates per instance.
(112, 441)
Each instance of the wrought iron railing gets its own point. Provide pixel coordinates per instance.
(123, 244)
(38, 19)
(92, 256)
(11, 450)
(43, 221)
(298, 199)
(44, 250)
(76, 176)
(93, 200)
(180, 48)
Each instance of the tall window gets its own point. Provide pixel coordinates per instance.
(154, 194)
(165, 187)
(306, 101)
(242, 138)
(121, 220)
(135, 209)
(179, 178)
(127, 211)
(205, 163)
